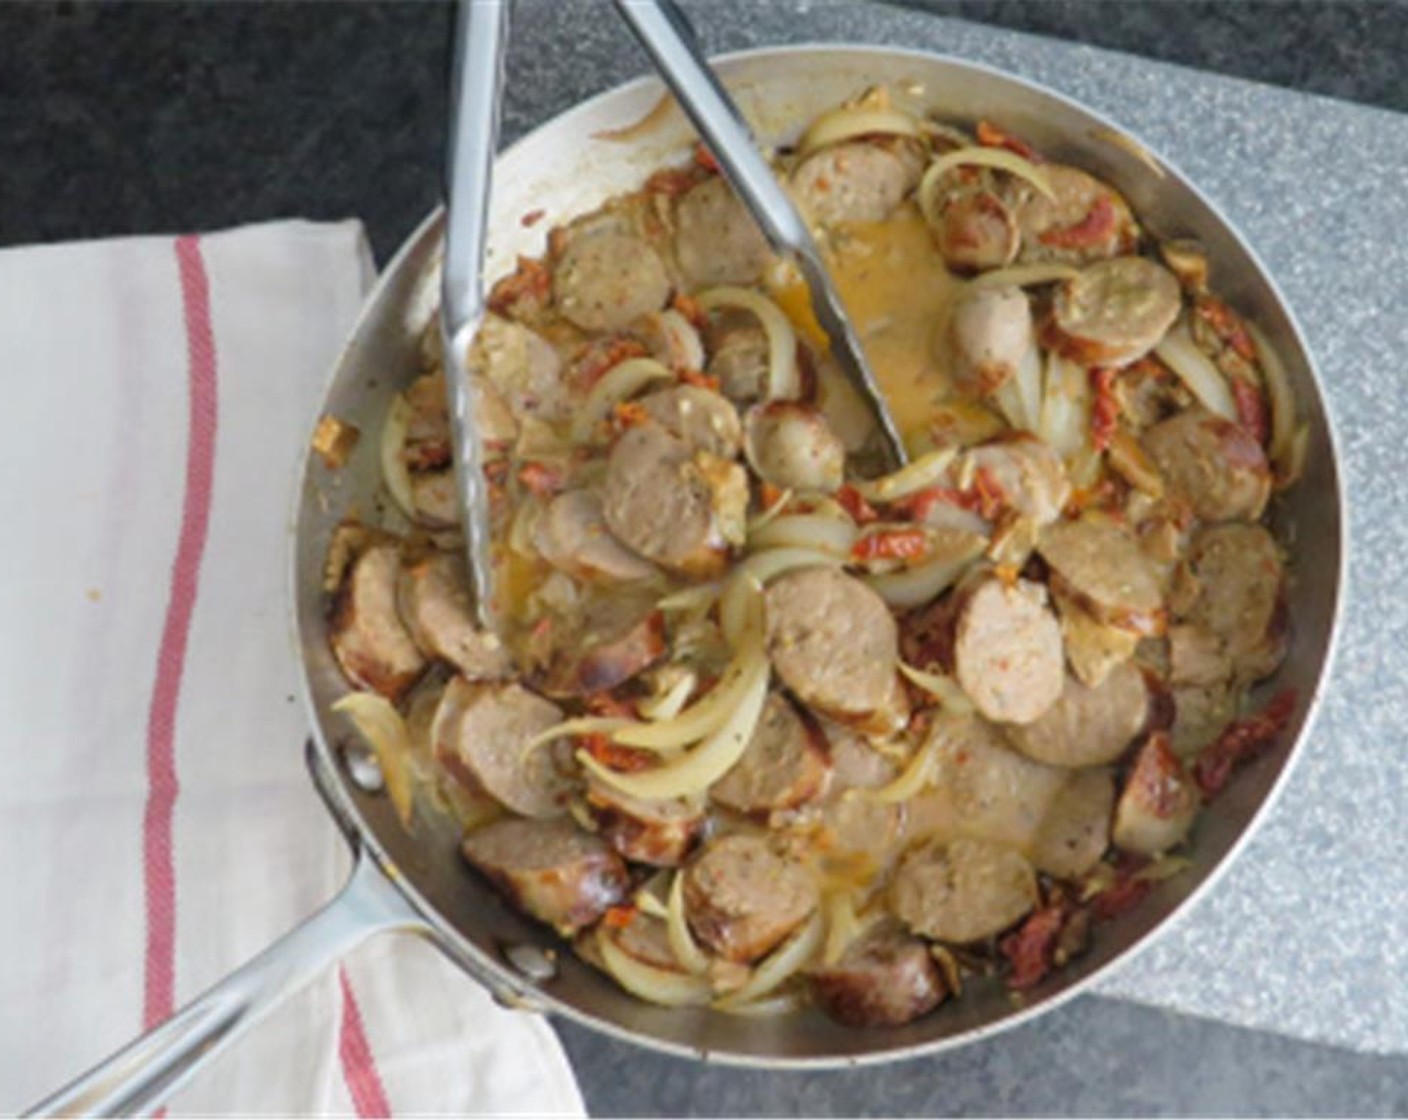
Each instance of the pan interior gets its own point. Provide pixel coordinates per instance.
(567, 167)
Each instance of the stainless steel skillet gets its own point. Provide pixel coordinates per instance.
(417, 882)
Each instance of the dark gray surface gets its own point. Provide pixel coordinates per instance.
(147, 119)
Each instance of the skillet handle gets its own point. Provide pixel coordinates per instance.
(141, 1076)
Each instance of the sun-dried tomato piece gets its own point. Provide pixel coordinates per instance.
(1098, 223)
(1030, 947)
(1241, 741)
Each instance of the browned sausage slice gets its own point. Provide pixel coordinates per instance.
(1075, 832)
(784, 765)
(368, 637)
(835, 644)
(716, 239)
(705, 420)
(480, 732)
(976, 231)
(742, 899)
(605, 280)
(856, 182)
(962, 891)
(1030, 475)
(433, 600)
(793, 446)
(1237, 570)
(1116, 311)
(646, 939)
(572, 536)
(1158, 803)
(885, 978)
(674, 509)
(1088, 726)
(738, 356)
(551, 870)
(1216, 466)
(614, 639)
(990, 331)
(1099, 563)
(1086, 220)
(660, 833)
(854, 824)
(1007, 650)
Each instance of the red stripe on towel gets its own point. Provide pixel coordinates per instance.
(158, 865)
(358, 1063)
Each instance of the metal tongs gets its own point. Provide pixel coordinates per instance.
(665, 33)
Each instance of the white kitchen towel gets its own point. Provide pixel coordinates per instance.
(157, 827)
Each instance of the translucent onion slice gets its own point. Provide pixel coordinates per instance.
(1012, 404)
(1280, 396)
(1024, 276)
(842, 926)
(381, 725)
(1029, 385)
(780, 965)
(654, 985)
(923, 472)
(760, 568)
(999, 159)
(621, 382)
(394, 471)
(914, 777)
(940, 686)
(784, 380)
(916, 586)
(766, 1008)
(810, 531)
(672, 701)
(1181, 354)
(649, 904)
(1065, 406)
(846, 123)
(696, 771)
(770, 513)
(700, 597)
(692, 959)
(686, 350)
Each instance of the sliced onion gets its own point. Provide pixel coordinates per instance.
(940, 686)
(1024, 276)
(784, 380)
(701, 767)
(925, 471)
(848, 122)
(621, 382)
(842, 927)
(1065, 406)
(394, 471)
(1196, 370)
(697, 598)
(771, 512)
(691, 957)
(1013, 406)
(1280, 395)
(654, 985)
(913, 778)
(686, 350)
(381, 725)
(999, 159)
(769, 1007)
(1028, 382)
(760, 568)
(810, 531)
(583, 725)
(914, 587)
(671, 702)
(780, 965)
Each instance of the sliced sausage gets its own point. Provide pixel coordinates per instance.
(665, 505)
(854, 824)
(436, 498)
(1093, 648)
(605, 280)
(976, 232)
(1158, 803)
(426, 445)
(572, 536)
(792, 446)
(551, 870)
(784, 765)
(671, 339)
(1214, 465)
(368, 638)
(1196, 656)
(989, 332)
(1200, 712)
(1029, 474)
(1075, 832)
(739, 357)
(1099, 563)
(705, 420)
(741, 898)
(522, 367)
(855, 182)
(962, 891)
(612, 640)
(1115, 312)
(1088, 726)
(433, 600)
(885, 978)
(1007, 650)
(660, 833)
(834, 643)
(1240, 599)
(716, 239)
(1086, 221)
(480, 733)
(647, 940)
